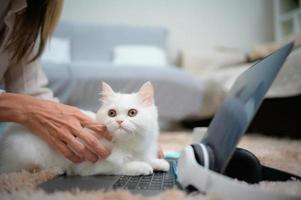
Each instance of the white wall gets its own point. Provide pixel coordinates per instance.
(193, 24)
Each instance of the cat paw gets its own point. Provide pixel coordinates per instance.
(160, 165)
(137, 168)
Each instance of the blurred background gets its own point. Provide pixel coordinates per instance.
(192, 51)
(192, 24)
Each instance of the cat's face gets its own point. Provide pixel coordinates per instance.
(128, 115)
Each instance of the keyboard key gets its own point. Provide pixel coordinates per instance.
(156, 181)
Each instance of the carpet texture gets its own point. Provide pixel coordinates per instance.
(283, 154)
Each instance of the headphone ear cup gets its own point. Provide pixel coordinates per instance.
(244, 166)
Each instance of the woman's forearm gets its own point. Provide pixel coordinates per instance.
(12, 107)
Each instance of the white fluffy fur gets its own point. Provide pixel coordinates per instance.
(134, 145)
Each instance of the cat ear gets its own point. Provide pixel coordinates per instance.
(146, 93)
(106, 91)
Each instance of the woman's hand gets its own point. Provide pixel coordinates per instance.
(62, 127)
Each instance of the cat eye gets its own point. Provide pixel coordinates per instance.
(112, 113)
(132, 112)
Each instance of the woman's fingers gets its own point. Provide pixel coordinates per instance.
(69, 140)
(90, 156)
(92, 143)
(50, 135)
(67, 152)
(92, 148)
(75, 145)
(78, 147)
(100, 129)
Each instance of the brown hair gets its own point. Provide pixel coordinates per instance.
(34, 24)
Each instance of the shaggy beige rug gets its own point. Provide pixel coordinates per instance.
(283, 154)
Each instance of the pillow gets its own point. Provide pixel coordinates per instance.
(142, 55)
(57, 51)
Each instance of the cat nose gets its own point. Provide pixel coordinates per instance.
(119, 121)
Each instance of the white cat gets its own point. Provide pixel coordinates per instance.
(131, 118)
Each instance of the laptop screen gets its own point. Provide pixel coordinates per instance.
(240, 105)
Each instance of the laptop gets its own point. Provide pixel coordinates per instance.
(227, 127)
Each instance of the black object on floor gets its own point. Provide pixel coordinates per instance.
(245, 166)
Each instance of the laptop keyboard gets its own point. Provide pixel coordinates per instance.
(156, 181)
